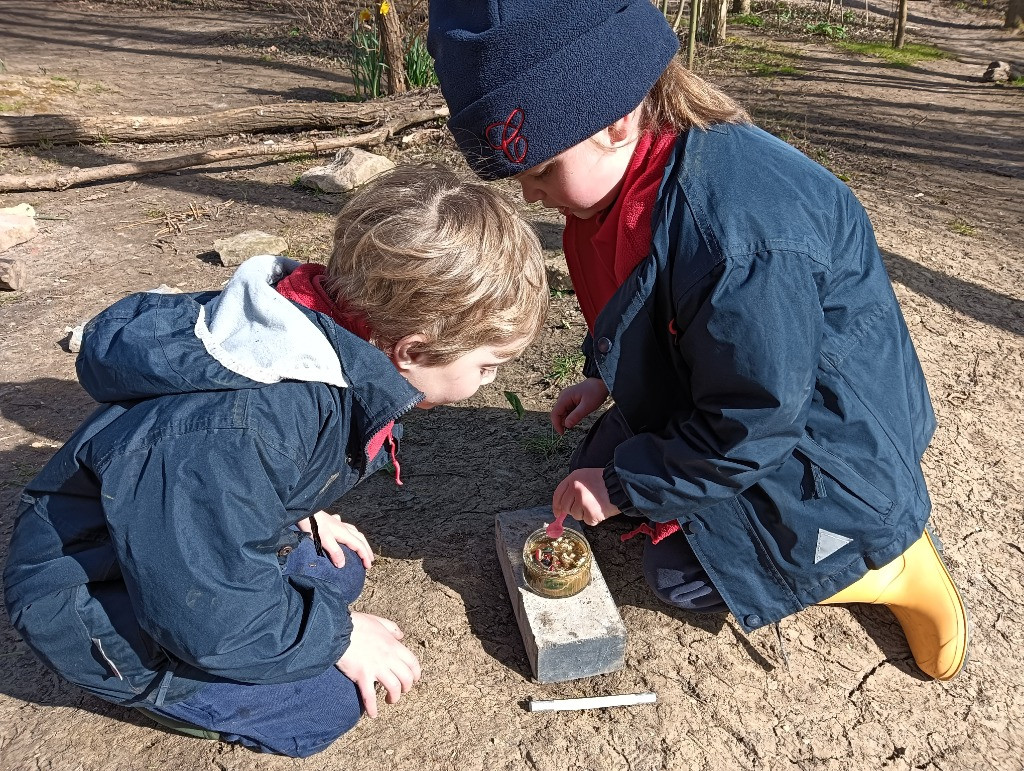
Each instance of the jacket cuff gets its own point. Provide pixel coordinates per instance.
(616, 493)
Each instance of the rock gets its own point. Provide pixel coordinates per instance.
(75, 338)
(567, 638)
(23, 209)
(237, 249)
(999, 72)
(558, 272)
(350, 168)
(164, 289)
(16, 229)
(12, 274)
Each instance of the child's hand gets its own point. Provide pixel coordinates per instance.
(332, 532)
(583, 496)
(576, 402)
(375, 655)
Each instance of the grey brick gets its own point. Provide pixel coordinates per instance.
(566, 638)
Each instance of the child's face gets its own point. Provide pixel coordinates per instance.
(582, 180)
(452, 382)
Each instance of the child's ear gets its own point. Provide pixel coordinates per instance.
(626, 129)
(405, 354)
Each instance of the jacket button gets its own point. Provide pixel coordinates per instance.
(604, 345)
(752, 620)
(692, 528)
(284, 551)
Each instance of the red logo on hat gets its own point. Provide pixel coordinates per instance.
(506, 137)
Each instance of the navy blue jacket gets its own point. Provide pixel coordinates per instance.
(146, 555)
(761, 358)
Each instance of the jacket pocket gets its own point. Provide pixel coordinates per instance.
(827, 466)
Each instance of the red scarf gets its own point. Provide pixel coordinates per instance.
(603, 250)
(305, 285)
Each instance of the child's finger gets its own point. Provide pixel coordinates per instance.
(334, 552)
(369, 694)
(391, 626)
(405, 675)
(558, 413)
(357, 542)
(592, 513)
(392, 686)
(413, 663)
(561, 499)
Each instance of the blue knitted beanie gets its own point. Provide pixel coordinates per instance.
(527, 79)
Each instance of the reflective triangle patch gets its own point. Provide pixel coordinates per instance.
(828, 544)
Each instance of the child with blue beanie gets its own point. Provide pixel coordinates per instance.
(770, 412)
(174, 555)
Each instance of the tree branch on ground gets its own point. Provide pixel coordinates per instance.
(62, 180)
(20, 130)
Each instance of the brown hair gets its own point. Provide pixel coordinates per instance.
(680, 100)
(422, 250)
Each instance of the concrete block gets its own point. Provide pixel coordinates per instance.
(566, 638)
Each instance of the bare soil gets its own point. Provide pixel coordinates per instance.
(936, 155)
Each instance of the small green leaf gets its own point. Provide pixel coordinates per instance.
(516, 404)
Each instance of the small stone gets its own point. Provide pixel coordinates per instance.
(75, 338)
(164, 289)
(13, 273)
(350, 168)
(237, 249)
(16, 229)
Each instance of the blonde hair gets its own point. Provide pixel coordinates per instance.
(421, 250)
(680, 100)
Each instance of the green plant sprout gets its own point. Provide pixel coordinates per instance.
(516, 403)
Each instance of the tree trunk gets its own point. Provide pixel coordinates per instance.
(1015, 14)
(392, 46)
(712, 21)
(899, 34)
(741, 6)
(19, 130)
(61, 180)
(691, 42)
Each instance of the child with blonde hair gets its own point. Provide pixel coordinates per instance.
(174, 555)
(770, 412)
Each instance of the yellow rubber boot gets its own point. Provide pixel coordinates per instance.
(919, 591)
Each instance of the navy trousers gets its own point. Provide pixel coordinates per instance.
(296, 719)
(670, 567)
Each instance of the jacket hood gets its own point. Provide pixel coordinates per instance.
(246, 335)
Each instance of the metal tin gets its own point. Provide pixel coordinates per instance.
(557, 582)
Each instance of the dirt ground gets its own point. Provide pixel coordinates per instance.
(936, 155)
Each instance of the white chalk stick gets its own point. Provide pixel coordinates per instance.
(594, 702)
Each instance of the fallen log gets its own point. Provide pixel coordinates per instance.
(20, 130)
(62, 180)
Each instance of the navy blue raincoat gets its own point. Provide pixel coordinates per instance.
(146, 555)
(761, 358)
